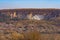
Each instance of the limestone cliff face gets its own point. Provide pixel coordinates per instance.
(29, 16)
(13, 15)
(38, 17)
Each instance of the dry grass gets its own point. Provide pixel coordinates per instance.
(32, 34)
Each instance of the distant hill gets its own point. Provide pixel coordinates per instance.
(48, 13)
(50, 23)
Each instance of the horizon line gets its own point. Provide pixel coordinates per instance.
(26, 8)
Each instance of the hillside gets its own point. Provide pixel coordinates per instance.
(50, 22)
(17, 24)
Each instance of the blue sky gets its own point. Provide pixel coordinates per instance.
(11, 4)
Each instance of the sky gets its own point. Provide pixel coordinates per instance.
(13, 4)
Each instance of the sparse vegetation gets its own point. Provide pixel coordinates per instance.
(23, 29)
